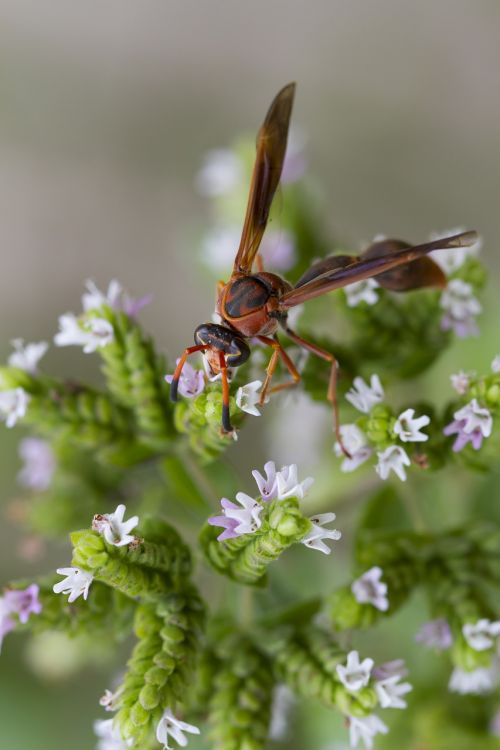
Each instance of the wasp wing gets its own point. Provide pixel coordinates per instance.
(365, 268)
(271, 148)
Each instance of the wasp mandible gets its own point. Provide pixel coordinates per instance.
(255, 304)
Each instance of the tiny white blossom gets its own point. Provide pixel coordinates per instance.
(394, 458)
(495, 365)
(13, 405)
(450, 259)
(27, 356)
(458, 300)
(109, 701)
(474, 418)
(268, 485)
(476, 682)
(283, 703)
(289, 485)
(365, 729)
(314, 538)
(169, 725)
(361, 291)
(481, 635)
(220, 173)
(76, 583)
(93, 298)
(362, 396)
(355, 674)
(248, 396)
(388, 687)
(370, 589)
(114, 529)
(109, 735)
(91, 334)
(460, 382)
(408, 427)
(435, 634)
(191, 381)
(356, 444)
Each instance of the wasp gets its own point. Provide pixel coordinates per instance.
(254, 303)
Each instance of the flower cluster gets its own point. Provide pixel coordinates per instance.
(16, 606)
(386, 679)
(244, 516)
(379, 432)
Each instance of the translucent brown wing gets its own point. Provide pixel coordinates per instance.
(364, 268)
(420, 273)
(271, 148)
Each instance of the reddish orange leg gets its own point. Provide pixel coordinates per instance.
(273, 362)
(332, 382)
(259, 262)
(175, 380)
(226, 417)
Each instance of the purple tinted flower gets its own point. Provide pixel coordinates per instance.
(191, 381)
(39, 464)
(268, 486)
(24, 603)
(228, 524)
(435, 634)
(457, 428)
(132, 306)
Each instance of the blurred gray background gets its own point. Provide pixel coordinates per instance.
(106, 109)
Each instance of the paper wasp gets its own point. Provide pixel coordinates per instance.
(254, 304)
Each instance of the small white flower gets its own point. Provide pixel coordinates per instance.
(435, 634)
(477, 682)
(355, 675)
(365, 729)
(109, 701)
(13, 405)
(91, 334)
(289, 485)
(314, 537)
(100, 333)
(495, 365)
(408, 427)
(268, 485)
(481, 635)
(450, 259)
(248, 517)
(27, 356)
(94, 298)
(247, 397)
(169, 725)
(388, 687)
(364, 397)
(114, 529)
(394, 458)
(356, 444)
(458, 301)
(475, 417)
(39, 463)
(76, 583)
(110, 736)
(220, 173)
(460, 382)
(361, 291)
(283, 703)
(370, 589)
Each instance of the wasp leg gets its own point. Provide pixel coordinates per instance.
(259, 262)
(226, 417)
(182, 361)
(332, 382)
(273, 362)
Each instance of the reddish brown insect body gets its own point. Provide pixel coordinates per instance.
(254, 305)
